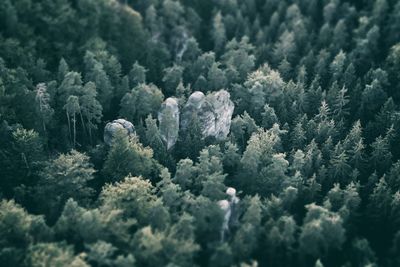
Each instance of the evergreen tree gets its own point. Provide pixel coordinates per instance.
(128, 156)
(64, 177)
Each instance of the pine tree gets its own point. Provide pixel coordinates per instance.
(128, 156)
(90, 108)
(44, 108)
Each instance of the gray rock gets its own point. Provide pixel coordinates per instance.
(213, 111)
(223, 110)
(112, 127)
(168, 118)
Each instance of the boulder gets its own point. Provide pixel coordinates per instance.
(112, 127)
(214, 113)
(168, 118)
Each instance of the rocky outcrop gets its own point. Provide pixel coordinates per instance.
(214, 113)
(112, 127)
(229, 208)
(168, 118)
(223, 110)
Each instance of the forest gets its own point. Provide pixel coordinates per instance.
(213, 133)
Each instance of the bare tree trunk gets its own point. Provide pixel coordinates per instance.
(90, 132)
(83, 123)
(69, 126)
(44, 126)
(74, 120)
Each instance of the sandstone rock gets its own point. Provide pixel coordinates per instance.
(113, 126)
(168, 118)
(223, 110)
(214, 113)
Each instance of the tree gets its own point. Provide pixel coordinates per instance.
(340, 168)
(185, 174)
(231, 158)
(363, 252)
(265, 167)
(134, 197)
(79, 225)
(208, 219)
(210, 173)
(381, 157)
(298, 136)
(54, 254)
(245, 240)
(379, 202)
(344, 201)
(285, 47)
(18, 230)
(190, 140)
(144, 99)
(242, 128)
(44, 108)
(72, 108)
(90, 108)
(103, 254)
(171, 79)
(222, 256)
(215, 78)
(340, 109)
(238, 59)
(218, 32)
(63, 69)
(322, 232)
(269, 117)
(372, 98)
(128, 156)
(137, 75)
(337, 67)
(64, 177)
(94, 72)
(265, 87)
(21, 159)
(155, 141)
(281, 238)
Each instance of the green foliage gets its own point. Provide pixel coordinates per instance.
(128, 156)
(322, 231)
(308, 175)
(54, 254)
(143, 100)
(133, 196)
(66, 176)
(18, 231)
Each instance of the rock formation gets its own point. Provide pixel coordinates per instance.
(168, 118)
(229, 209)
(223, 110)
(112, 127)
(214, 113)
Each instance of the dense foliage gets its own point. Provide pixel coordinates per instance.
(313, 149)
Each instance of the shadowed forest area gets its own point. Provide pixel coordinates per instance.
(199, 133)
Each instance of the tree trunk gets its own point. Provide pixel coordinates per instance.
(74, 120)
(69, 127)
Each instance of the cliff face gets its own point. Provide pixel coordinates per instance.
(112, 127)
(223, 109)
(213, 111)
(168, 118)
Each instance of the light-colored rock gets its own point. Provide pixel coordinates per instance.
(223, 110)
(168, 118)
(112, 127)
(229, 209)
(214, 113)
